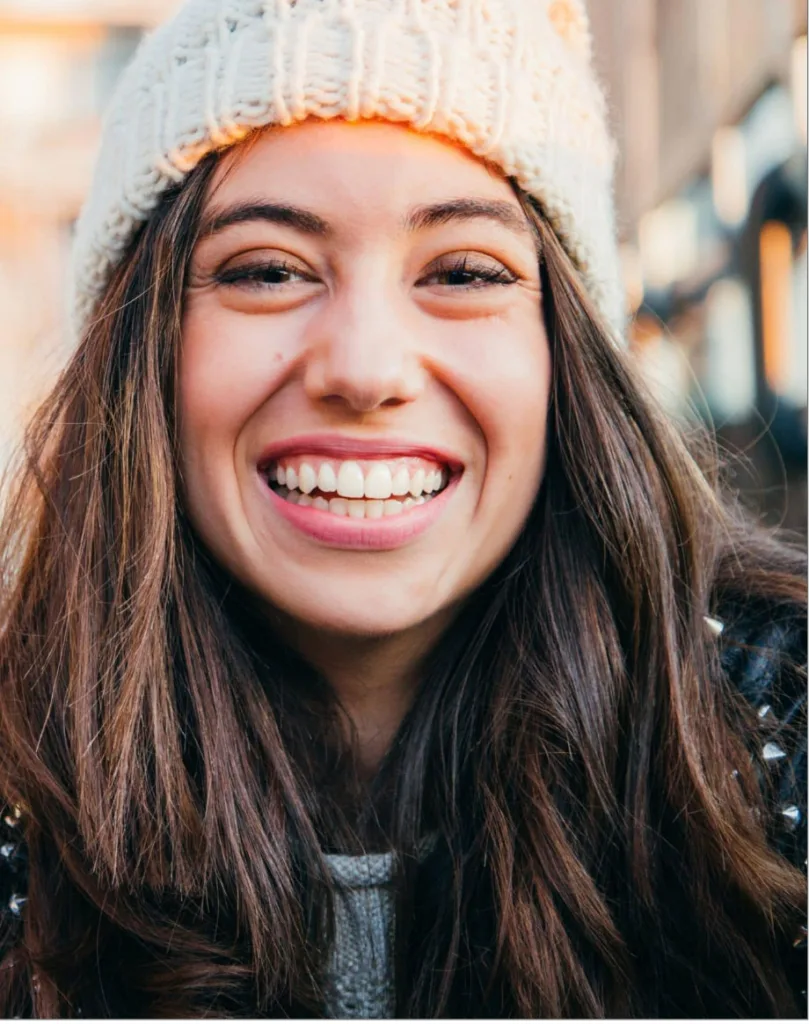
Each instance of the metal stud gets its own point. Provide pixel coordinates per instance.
(765, 714)
(16, 903)
(12, 816)
(792, 816)
(715, 625)
(772, 752)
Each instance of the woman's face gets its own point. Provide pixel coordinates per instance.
(364, 375)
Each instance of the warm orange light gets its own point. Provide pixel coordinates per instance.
(83, 33)
(775, 252)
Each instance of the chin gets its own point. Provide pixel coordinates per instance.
(358, 622)
(362, 614)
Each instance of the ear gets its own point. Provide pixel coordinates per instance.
(569, 20)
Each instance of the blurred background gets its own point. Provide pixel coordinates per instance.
(709, 103)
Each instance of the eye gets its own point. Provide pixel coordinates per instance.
(266, 275)
(467, 272)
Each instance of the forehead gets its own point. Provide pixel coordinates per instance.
(345, 170)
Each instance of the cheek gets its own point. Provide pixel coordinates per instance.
(504, 372)
(229, 364)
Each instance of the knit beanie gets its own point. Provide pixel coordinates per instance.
(511, 80)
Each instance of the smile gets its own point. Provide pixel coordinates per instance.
(357, 489)
(347, 494)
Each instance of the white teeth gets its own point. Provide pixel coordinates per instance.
(378, 483)
(326, 480)
(307, 480)
(350, 483)
(401, 483)
(417, 483)
(388, 493)
(356, 509)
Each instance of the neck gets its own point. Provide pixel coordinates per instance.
(375, 679)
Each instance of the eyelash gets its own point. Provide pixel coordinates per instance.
(254, 277)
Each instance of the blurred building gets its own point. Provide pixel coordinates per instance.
(708, 99)
(59, 60)
(709, 104)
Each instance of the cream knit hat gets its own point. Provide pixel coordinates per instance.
(509, 79)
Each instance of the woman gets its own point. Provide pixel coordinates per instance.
(372, 646)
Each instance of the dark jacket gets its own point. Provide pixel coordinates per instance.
(755, 648)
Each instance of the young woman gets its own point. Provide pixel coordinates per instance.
(371, 644)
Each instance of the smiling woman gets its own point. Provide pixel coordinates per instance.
(378, 648)
(385, 342)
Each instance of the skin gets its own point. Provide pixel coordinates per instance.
(370, 333)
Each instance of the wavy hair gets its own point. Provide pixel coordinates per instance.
(576, 745)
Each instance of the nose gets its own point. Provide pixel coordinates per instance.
(363, 355)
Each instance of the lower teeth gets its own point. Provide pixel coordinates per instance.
(353, 508)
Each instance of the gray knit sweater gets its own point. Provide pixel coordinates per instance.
(360, 977)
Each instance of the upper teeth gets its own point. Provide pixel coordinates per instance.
(374, 480)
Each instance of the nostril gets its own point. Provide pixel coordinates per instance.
(362, 404)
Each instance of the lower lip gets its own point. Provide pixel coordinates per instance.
(384, 534)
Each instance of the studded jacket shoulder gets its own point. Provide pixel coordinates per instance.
(763, 655)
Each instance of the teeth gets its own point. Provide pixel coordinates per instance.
(307, 481)
(326, 480)
(378, 483)
(350, 483)
(401, 483)
(416, 483)
(356, 509)
(387, 493)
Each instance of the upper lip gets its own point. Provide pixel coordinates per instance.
(341, 447)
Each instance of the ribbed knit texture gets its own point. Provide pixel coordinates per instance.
(360, 973)
(509, 79)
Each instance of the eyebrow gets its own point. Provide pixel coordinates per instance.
(419, 219)
(274, 213)
(497, 210)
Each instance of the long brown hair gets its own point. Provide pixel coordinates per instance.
(576, 744)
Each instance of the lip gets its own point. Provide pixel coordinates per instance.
(384, 534)
(339, 446)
